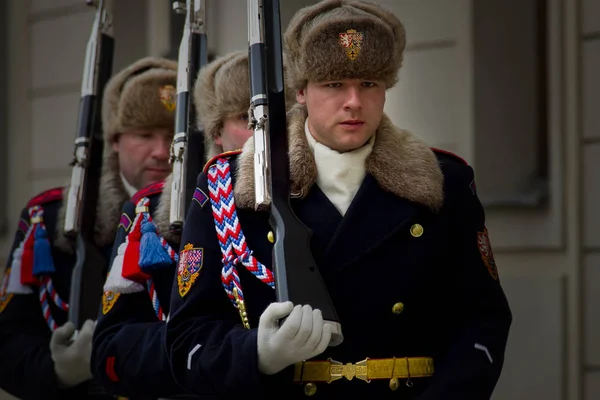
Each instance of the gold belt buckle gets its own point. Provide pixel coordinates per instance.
(338, 370)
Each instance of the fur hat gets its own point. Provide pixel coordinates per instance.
(140, 96)
(222, 90)
(342, 39)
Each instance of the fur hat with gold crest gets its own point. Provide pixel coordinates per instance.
(142, 95)
(342, 39)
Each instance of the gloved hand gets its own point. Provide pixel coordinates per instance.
(303, 335)
(72, 359)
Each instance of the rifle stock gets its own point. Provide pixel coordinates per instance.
(88, 273)
(297, 277)
(188, 142)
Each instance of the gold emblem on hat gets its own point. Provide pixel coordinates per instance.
(168, 97)
(351, 41)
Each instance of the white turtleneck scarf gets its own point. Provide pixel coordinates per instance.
(339, 175)
(128, 187)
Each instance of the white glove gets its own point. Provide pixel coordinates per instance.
(72, 359)
(303, 335)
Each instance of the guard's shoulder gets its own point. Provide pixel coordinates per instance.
(213, 160)
(444, 155)
(48, 196)
(150, 190)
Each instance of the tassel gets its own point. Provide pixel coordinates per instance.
(27, 277)
(153, 256)
(131, 258)
(14, 274)
(42, 252)
(115, 282)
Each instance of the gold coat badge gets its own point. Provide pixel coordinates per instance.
(351, 41)
(108, 301)
(485, 249)
(168, 96)
(190, 264)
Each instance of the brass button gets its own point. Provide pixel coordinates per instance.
(398, 308)
(310, 389)
(416, 230)
(271, 237)
(394, 384)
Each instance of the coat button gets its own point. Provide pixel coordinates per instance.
(310, 389)
(271, 237)
(416, 230)
(398, 308)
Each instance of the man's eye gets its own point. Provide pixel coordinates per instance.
(243, 117)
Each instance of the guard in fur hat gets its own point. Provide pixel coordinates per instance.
(128, 354)
(398, 235)
(37, 359)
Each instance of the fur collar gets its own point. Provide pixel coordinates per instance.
(162, 215)
(110, 202)
(400, 162)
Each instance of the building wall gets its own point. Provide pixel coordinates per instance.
(590, 149)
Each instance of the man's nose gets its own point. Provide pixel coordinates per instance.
(162, 149)
(353, 100)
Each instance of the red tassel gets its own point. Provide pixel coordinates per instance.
(27, 277)
(131, 259)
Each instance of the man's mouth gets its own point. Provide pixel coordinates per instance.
(352, 122)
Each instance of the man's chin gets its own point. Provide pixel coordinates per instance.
(155, 176)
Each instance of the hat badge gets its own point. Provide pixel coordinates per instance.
(351, 41)
(168, 97)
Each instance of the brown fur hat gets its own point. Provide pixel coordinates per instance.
(222, 90)
(342, 39)
(134, 97)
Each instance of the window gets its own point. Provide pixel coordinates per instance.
(510, 102)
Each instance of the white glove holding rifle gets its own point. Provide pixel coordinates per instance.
(303, 335)
(72, 358)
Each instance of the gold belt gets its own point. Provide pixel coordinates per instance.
(366, 370)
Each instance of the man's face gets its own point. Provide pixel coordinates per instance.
(144, 155)
(343, 115)
(234, 133)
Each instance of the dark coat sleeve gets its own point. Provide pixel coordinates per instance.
(472, 366)
(209, 349)
(26, 366)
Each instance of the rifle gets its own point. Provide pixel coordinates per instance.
(188, 142)
(88, 274)
(297, 277)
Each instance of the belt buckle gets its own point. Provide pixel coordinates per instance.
(338, 370)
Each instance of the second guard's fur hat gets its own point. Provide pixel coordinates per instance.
(222, 90)
(342, 39)
(142, 95)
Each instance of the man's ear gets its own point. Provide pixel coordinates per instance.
(301, 96)
(219, 138)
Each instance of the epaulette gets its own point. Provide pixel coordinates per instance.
(47, 196)
(225, 154)
(149, 190)
(450, 154)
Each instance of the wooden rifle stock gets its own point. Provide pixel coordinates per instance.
(297, 277)
(187, 150)
(88, 273)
